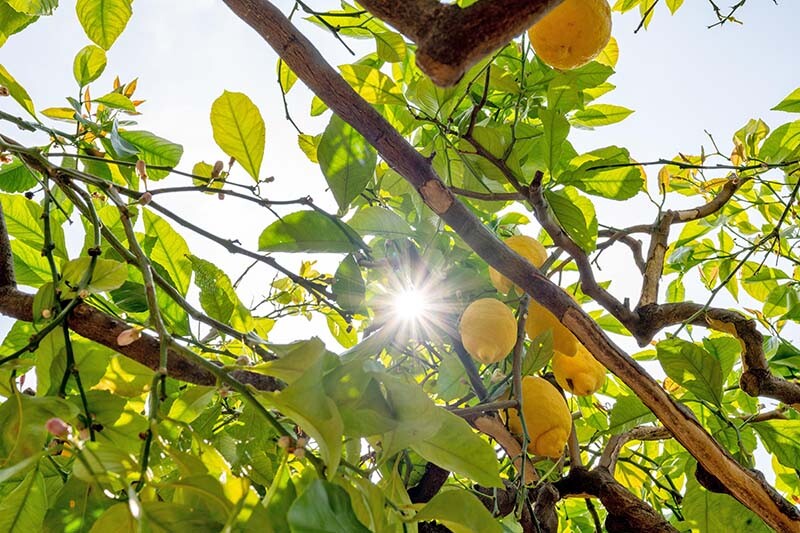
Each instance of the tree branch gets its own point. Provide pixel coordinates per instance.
(611, 452)
(451, 39)
(309, 65)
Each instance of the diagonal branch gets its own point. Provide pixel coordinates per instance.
(451, 39)
(309, 65)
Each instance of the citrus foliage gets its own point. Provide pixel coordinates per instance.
(102, 442)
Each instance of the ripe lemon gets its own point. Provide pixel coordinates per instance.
(527, 247)
(573, 33)
(488, 330)
(580, 374)
(540, 320)
(547, 417)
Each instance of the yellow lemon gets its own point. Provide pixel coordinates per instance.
(573, 33)
(547, 417)
(527, 247)
(488, 330)
(540, 320)
(580, 374)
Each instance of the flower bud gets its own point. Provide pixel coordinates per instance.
(57, 427)
(129, 336)
(145, 198)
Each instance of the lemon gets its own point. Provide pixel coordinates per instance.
(547, 417)
(580, 374)
(540, 320)
(527, 247)
(573, 33)
(488, 330)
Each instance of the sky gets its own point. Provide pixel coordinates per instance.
(681, 79)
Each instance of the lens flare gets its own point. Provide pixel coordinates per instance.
(410, 304)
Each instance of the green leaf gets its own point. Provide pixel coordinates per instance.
(191, 404)
(169, 250)
(34, 7)
(576, 215)
(556, 129)
(308, 231)
(16, 91)
(218, 297)
(308, 144)
(790, 104)
(16, 177)
(286, 77)
(117, 518)
(538, 353)
(23, 509)
(239, 130)
(306, 402)
(374, 220)
(390, 46)
(24, 222)
(155, 151)
(708, 511)
(103, 20)
(293, 360)
(586, 173)
(324, 508)
(23, 420)
(674, 5)
(347, 160)
(600, 115)
(628, 412)
(782, 439)
(106, 276)
(348, 286)
(692, 367)
(115, 100)
(783, 144)
(89, 64)
(12, 21)
(459, 510)
(372, 85)
(76, 507)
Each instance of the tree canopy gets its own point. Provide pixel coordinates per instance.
(140, 387)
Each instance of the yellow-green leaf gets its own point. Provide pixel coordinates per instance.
(16, 91)
(103, 20)
(89, 64)
(239, 130)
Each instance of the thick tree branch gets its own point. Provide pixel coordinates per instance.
(626, 512)
(654, 266)
(451, 39)
(756, 378)
(309, 65)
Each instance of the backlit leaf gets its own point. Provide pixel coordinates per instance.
(103, 20)
(239, 130)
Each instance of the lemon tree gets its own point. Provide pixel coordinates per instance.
(416, 326)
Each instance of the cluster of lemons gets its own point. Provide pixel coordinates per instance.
(488, 331)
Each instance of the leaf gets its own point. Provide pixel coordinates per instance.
(308, 231)
(708, 511)
(23, 509)
(692, 367)
(155, 151)
(372, 85)
(556, 129)
(293, 360)
(34, 7)
(218, 297)
(118, 101)
(628, 412)
(308, 144)
(103, 20)
(323, 508)
(348, 286)
(575, 214)
(586, 173)
(239, 130)
(790, 104)
(118, 519)
(347, 160)
(538, 354)
(374, 220)
(390, 46)
(16, 177)
(674, 5)
(106, 276)
(782, 439)
(169, 250)
(459, 510)
(77, 503)
(286, 77)
(16, 91)
(600, 115)
(783, 144)
(89, 64)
